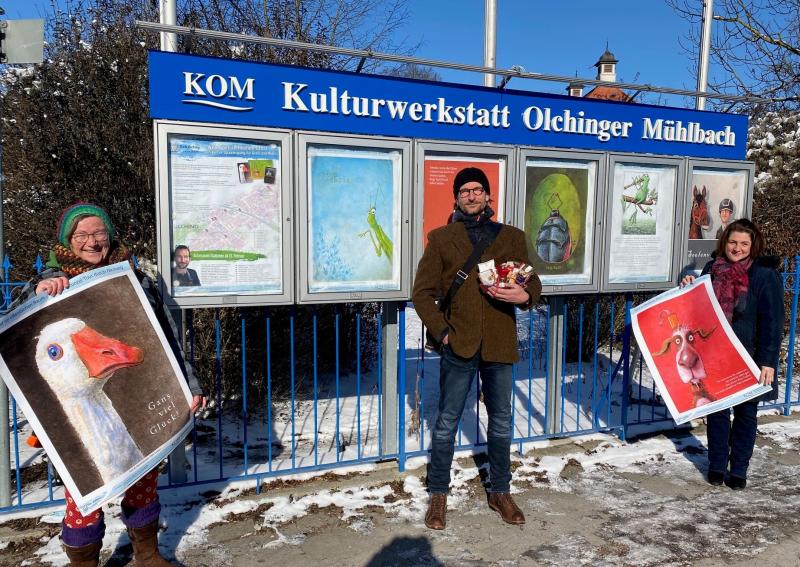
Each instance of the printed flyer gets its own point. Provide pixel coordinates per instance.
(438, 200)
(696, 360)
(642, 210)
(226, 216)
(559, 219)
(354, 211)
(98, 382)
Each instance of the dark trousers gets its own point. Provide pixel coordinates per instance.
(732, 443)
(455, 381)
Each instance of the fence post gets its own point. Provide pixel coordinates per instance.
(389, 402)
(787, 409)
(5, 446)
(177, 459)
(555, 363)
(626, 369)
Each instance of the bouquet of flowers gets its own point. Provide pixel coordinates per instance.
(502, 276)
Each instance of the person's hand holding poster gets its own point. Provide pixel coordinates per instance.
(696, 360)
(96, 378)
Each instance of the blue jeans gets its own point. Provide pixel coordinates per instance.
(732, 443)
(455, 381)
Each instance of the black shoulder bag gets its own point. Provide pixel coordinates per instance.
(431, 343)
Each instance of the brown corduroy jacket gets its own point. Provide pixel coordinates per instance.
(474, 319)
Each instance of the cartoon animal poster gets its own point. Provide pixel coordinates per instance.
(559, 219)
(354, 202)
(697, 362)
(438, 200)
(94, 375)
(716, 198)
(641, 231)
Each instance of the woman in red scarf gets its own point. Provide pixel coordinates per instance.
(749, 290)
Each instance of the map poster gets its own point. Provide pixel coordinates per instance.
(438, 200)
(226, 216)
(717, 198)
(559, 219)
(98, 382)
(354, 211)
(642, 211)
(697, 362)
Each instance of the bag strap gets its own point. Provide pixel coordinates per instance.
(472, 261)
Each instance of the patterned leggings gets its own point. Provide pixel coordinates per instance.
(140, 507)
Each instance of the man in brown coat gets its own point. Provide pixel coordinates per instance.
(478, 333)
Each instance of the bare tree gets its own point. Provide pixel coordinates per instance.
(755, 47)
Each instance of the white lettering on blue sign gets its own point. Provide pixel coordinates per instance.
(218, 87)
(692, 133)
(566, 123)
(296, 97)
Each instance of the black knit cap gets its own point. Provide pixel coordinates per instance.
(471, 174)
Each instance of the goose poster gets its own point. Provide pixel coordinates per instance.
(695, 358)
(97, 380)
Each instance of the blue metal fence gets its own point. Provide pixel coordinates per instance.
(322, 415)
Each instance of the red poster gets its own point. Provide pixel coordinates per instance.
(438, 198)
(696, 360)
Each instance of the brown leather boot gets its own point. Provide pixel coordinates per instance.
(145, 546)
(85, 556)
(437, 510)
(502, 503)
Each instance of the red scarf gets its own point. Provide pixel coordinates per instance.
(730, 281)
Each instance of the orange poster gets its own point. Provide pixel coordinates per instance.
(438, 200)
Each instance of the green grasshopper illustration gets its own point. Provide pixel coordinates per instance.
(380, 240)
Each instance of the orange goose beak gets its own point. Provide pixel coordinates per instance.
(102, 355)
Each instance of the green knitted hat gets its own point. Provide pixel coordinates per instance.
(69, 218)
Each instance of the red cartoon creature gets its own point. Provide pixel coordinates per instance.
(688, 361)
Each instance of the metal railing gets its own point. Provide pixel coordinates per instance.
(303, 389)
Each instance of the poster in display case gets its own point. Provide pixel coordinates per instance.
(436, 171)
(718, 193)
(354, 211)
(643, 222)
(561, 200)
(224, 211)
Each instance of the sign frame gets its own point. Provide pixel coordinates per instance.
(679, 163)
(599, 196)
(305, 139)
(162, 130)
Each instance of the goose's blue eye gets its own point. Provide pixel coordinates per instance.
(55, 352)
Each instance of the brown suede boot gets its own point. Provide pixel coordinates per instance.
(86, 556)
(502, 503)
(437, 510)
(145, 546)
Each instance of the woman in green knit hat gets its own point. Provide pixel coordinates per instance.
(86, 240)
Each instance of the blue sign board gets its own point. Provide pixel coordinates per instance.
(204, 89)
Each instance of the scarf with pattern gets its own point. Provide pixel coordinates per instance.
(64, 259)
(730, 281)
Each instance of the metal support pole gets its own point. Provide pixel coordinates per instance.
(5, 445)
(168, 15)
(177, 459)
(705, 49)
(626, 368)
(555, 363)
(489, 39)
(390, 402)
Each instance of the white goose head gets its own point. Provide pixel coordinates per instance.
(74, 358)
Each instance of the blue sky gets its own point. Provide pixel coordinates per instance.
(559, 38)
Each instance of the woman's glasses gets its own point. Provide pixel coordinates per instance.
(83, 237)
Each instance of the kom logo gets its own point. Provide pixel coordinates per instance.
(227, 93)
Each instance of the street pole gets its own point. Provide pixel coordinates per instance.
(489, 40)
(168, 15)
(705, 50)
(169, 42)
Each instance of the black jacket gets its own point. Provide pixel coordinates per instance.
(758, 317)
